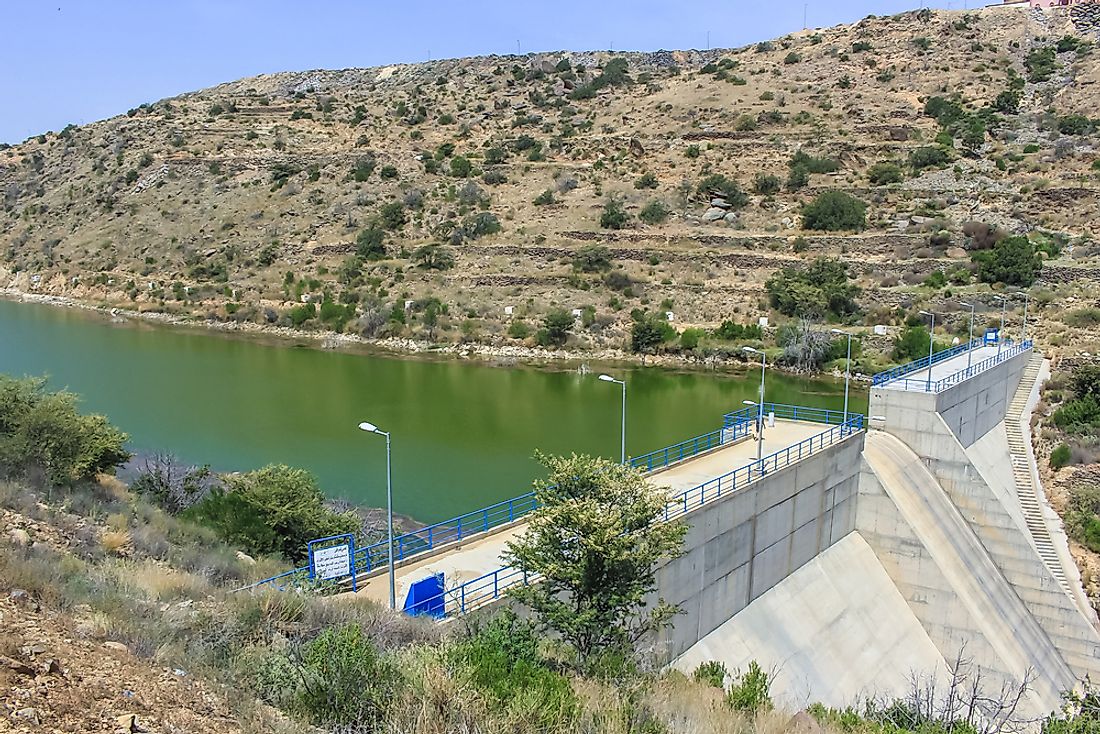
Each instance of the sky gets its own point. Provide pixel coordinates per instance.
(69, 61)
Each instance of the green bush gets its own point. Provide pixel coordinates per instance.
(480, 225)
(767, 184)
(1060, 456)
(592, 259)
(813, 164)
(342, 680)
(364, 167)
(556, 326)
(649, 332)
(369, 244)
(732, 331)
(912, 344)
(519, 330)
(718, 185)
(614, 215)
(392, 215)
(654, 212)
(460, 167)
(885, 172)
(751, 691)
(712, 673)
(824, 287)
(43, 431)
(690, 338)
(928, 157)
(646, 181)
(546, 198)
(834, 211)
(1083, 515)
(502, 658)
(1074, 125)
(1041, 64)
(276, 509)
(1012, 261)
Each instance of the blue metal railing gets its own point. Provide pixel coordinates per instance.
(471, 594)
(735, 426)
(906, 369)
(934, 386)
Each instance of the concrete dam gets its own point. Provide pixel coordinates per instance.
(857, 554)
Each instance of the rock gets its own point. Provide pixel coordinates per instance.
(29, 715)
(731, 218)
(19, 538)
(714, 214)
(19, 595)
(804, 723)
(636, 148)
(16, 665)
(955, 253)
(245, 558)
(112, 645)
(129, 723)
(720, 203)
(787, 222)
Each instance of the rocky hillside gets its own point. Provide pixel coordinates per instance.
(478, 181)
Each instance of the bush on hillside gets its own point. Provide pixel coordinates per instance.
(728, 189)
(276, 509)
(649, 332)
(614, 215)
(885, 172)
(1012, 261)
(654, 212)
(833, 211)
(912, 344)
(592, 259)
(42, 431)
(823, 288)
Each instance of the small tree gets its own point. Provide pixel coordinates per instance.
(392, 215)
(592, 259)
(654, 212)
(433, 257)
(369, 244)
(594, 542)
(614, 215)
(1012, 261)
(460, 167)
(833, 211)
(555, 328)
(649, 332)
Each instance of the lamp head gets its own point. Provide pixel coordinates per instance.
(748, 402)
(607, 378)
(368, 427)
(751, 350)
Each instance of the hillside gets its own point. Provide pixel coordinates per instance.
(245, 201)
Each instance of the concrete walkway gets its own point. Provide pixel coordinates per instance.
(482, 554)
(919, 379)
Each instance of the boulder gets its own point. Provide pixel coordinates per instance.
(117, 646)
(719, 203)
(955, 253)
(19, 538)
(731, 218)
(245, 558)
(714, 214)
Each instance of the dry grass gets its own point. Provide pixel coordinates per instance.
(115, 541)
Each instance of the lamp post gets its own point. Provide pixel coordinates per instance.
(1001, 332)
(760, 412)
(622, 453)
(931, 346)
(970, 345)
(847, 369)
(371, 428)
(1027, 299)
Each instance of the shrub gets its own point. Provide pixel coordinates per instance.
(460, 167)
(767, 184)
(718, 185)
(276, 509)
(927, 157)
(614, 215)
(341, 680)
(690, 338)
(369, 244)
(692, 151)
(792, 58)
(556, 326)
(519, 330)
(1041, 64)
(813, 164)
(546, 198)
(433, 257)
(1074, 125)
(646, 181)
(480, 225)
(654, 212)
(649, 332)
(1012, 261)
(912, 344)
(592, 259)
(388, 172)
(1060, 456)
(364, 167)
(823, 287)
(884, 172)
(42, 430)
(833, 211)
(751, 692)
(1083, 515)
(732, 331)
(712, 672)
(1083, 318)
(392, 215)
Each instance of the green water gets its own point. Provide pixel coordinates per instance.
(463, 434)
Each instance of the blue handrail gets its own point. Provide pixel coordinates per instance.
(935, 386)
(493, 585)
(905, 369)
(735, 426)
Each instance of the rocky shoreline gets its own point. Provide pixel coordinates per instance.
(506, 354)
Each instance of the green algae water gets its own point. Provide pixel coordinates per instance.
(463, 433)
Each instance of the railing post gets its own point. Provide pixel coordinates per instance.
(485, 519)
(460, 527)
(511, 511)
(430, 543)
(496, 584)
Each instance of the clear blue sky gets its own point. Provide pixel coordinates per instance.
(69, 61)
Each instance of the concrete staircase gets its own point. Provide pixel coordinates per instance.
(1026, 491)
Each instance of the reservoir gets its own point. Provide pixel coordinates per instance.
(464, 433)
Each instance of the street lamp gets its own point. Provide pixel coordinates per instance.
(847, 368)
(1027, 299)
(371, 428)
(1001, 333)
(760, 415)
(609, 378)
(970, 346)
(931, 345)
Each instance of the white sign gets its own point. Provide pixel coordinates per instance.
(508, 310)
(881, 330)
(670, 315)
(332, 563)
(576, 313)
(763, 322)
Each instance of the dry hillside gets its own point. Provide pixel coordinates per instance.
(240, 202)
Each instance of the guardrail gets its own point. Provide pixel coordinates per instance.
(748, 415)
(469, 595)
(911, 367)
(935, 386)
(669, 455)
